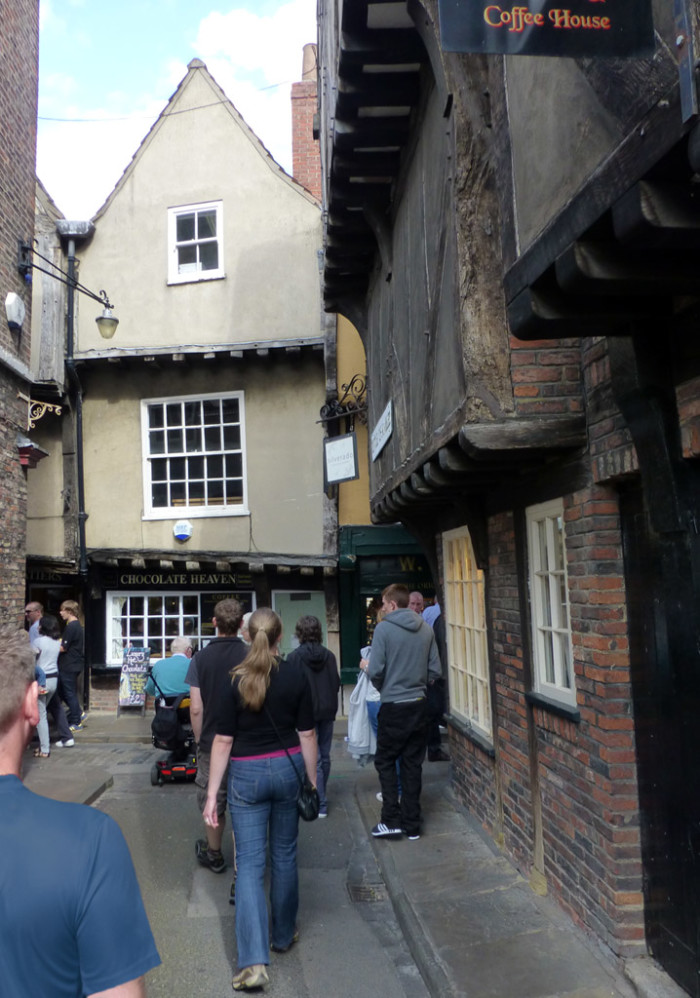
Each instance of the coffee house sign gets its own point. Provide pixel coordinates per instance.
(576, 28)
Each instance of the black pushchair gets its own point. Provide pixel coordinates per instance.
(171, 730)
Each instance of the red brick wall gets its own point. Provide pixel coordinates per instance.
(546, 377)
(306, 151)
(585, 796)
(688, 402)
(18, 109)
(599, 820)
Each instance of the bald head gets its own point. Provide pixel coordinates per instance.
(416, 602)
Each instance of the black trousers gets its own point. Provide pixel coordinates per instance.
(436, 708)
(401, 734)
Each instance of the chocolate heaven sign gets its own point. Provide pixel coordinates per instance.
(548, 27)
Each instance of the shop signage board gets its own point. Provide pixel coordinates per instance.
(132, 683)
(340, 455)
(574, 28)
(383, 429)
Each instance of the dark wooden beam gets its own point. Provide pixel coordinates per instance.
(659, 215)
(515, 437)
(610, 269)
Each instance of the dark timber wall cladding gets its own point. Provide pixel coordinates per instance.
(413, 348)
(18, 109)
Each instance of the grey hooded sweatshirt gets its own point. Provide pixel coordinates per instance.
(404, 657)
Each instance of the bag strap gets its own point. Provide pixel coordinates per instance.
(279, 739)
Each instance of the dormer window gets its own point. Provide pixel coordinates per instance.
(195, 242)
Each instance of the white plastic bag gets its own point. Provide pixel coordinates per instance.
(361, 739)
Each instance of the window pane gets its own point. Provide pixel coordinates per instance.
(230, 410)
(190, 605)
(234, 490)
(215, 467)
(136, 605)
(212, 438)
(211, 410)
(234, 466)
(157, 442)
(159, 496)
(193, 413)
(195, 467)
(207, 224)
(155, 416)
(173, 414)
(175, 442)
(209, 256)
(172, 627)
(155, 605)
(216, 492)
(177, 469)
(193, 440)
(159, 470)
(232, 437)
(186, 259)
(185, 228)
(177, 494)
(197, 493)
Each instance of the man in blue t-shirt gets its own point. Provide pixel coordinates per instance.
(72, 921)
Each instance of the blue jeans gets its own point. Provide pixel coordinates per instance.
(324, 737)
(262, 796)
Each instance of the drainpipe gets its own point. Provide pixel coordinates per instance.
(76, 401)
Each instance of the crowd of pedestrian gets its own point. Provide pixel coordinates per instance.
(261, 723)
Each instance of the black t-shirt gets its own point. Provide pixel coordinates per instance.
(72, 658)
(210, 671)
(289, 702)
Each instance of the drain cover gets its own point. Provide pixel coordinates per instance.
(367, 892)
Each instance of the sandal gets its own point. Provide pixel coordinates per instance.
(38, 754)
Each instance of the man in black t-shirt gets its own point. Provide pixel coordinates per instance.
(71, 662)
(209, 678)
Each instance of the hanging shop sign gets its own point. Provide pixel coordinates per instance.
(574, 28)
(340, 455)
(383, 429)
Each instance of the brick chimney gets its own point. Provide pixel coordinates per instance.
(306, 152)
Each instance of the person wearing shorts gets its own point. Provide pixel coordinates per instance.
(209, 676)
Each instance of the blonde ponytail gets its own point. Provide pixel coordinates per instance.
(253, 673)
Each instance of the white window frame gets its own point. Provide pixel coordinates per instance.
(197, 274)
(114, 644)
(550, 610)
(152, 512)
(469, 673)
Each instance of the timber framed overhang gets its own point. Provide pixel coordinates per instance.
(635, 267)
(371, 88)
(481, 457)
(211, 354)
(210, 561)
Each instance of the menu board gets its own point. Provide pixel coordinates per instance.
(132, 682)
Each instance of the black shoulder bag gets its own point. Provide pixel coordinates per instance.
(308, 803)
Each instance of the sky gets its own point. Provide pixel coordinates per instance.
(108, 67)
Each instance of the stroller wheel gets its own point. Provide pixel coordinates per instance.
(156, 778)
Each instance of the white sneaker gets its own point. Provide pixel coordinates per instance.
(379, 796)
(68, 743)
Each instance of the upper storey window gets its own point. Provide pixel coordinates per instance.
(195, 242)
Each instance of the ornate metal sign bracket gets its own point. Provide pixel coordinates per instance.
(35, 409)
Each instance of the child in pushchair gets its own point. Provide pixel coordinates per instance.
(171, 730)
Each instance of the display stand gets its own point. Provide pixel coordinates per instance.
(132, 682)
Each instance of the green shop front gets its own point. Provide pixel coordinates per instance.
(371, 558)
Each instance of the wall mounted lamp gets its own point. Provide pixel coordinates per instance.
(107, 321)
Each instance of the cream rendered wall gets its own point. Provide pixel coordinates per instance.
(353, 497)
(200, 151)
(45, 530)
(283, 451)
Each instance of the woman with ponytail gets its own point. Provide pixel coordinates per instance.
(267, 709)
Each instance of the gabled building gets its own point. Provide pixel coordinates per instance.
(198, 452)
(516, 241)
